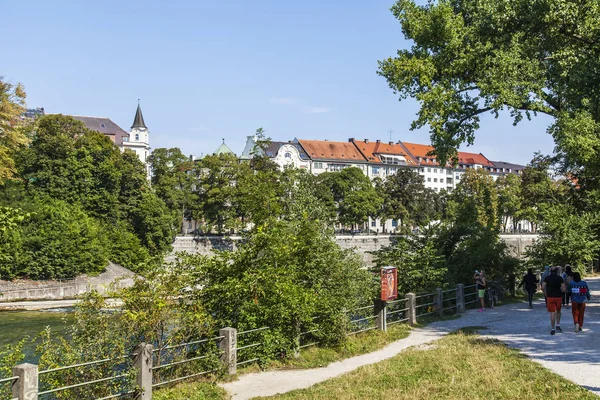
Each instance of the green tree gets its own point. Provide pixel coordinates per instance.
(11, 220)
(60, 240)
(567, 236)
(354, 194)
(406, 199)
(474, 202)
(420, 266)
(474, 57)
(12, 136)
(538, 190)
(288, 275)
(172, 179)
(509, 198)
(216, 192)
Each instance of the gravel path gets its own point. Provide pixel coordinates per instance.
(574, 356)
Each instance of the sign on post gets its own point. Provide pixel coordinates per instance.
(389, 283)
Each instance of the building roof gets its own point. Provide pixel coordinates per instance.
(223, 149)
(508, 166)
(274, 147)
(332, 151)
(420, 153)
(138, 121)
(250, 148)
(372, 150)
(104, 126)
(473, 158)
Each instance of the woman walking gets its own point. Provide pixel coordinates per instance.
(580, 293)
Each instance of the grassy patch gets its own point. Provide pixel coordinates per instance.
(361, 343)
(458, 366)
(191, 391)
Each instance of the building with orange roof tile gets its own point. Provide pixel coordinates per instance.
(329, 156)
(385, 158)
(434, 175)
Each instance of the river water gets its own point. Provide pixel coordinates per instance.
(16, 325)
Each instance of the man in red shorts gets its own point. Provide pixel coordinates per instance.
(553, 288)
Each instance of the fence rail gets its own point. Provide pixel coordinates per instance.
(383, 314)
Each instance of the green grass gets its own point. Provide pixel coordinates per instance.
(361, 343)
(311, 357)
(191, 391)
(461, 365)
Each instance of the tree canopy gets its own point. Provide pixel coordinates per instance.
(472, 57)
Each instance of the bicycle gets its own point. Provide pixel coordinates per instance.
(494, 294)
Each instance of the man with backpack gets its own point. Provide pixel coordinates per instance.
(553, 287)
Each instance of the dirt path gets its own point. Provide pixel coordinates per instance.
(574, 356)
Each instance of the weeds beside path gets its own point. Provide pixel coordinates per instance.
(574, 356)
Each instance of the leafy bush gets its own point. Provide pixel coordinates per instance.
(60, 241)
(290, 276)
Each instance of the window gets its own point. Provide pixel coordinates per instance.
(435, 170)
(318, 165)
(457, 177)
(137, 137)
(435, 179)
(422, 169)
(428, 169)
(288, 155)
(375, 170)
(190, 225)
(373, 223)
(125, 139)
(394, 223)
(441, 180)
(428, 179)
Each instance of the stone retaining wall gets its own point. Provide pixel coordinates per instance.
(21, 289)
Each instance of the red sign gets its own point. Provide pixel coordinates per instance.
(389, 283)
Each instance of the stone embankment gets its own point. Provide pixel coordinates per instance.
(22, 289)
(362, 244)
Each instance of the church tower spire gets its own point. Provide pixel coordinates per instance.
(138, 121)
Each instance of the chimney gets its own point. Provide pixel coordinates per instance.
(378, 141)
(366, 140)
(391, 143)
(351, 140)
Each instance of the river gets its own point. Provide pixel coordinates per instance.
(16, 325)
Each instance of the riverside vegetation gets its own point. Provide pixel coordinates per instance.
(70, 201)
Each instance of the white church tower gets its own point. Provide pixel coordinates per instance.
(138, 139)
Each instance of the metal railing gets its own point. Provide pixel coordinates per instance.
(251, 345)
(181, 361)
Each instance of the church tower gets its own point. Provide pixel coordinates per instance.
(138, 139)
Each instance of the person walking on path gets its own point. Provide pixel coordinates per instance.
(580, 293)
(553, 287)
(567, 276)
(480, 285)
(544, 275)
(530, 282)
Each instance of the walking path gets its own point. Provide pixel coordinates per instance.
(574, 356)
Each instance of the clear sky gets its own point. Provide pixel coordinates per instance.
(206, 70)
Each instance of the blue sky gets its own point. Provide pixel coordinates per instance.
(206, 70)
